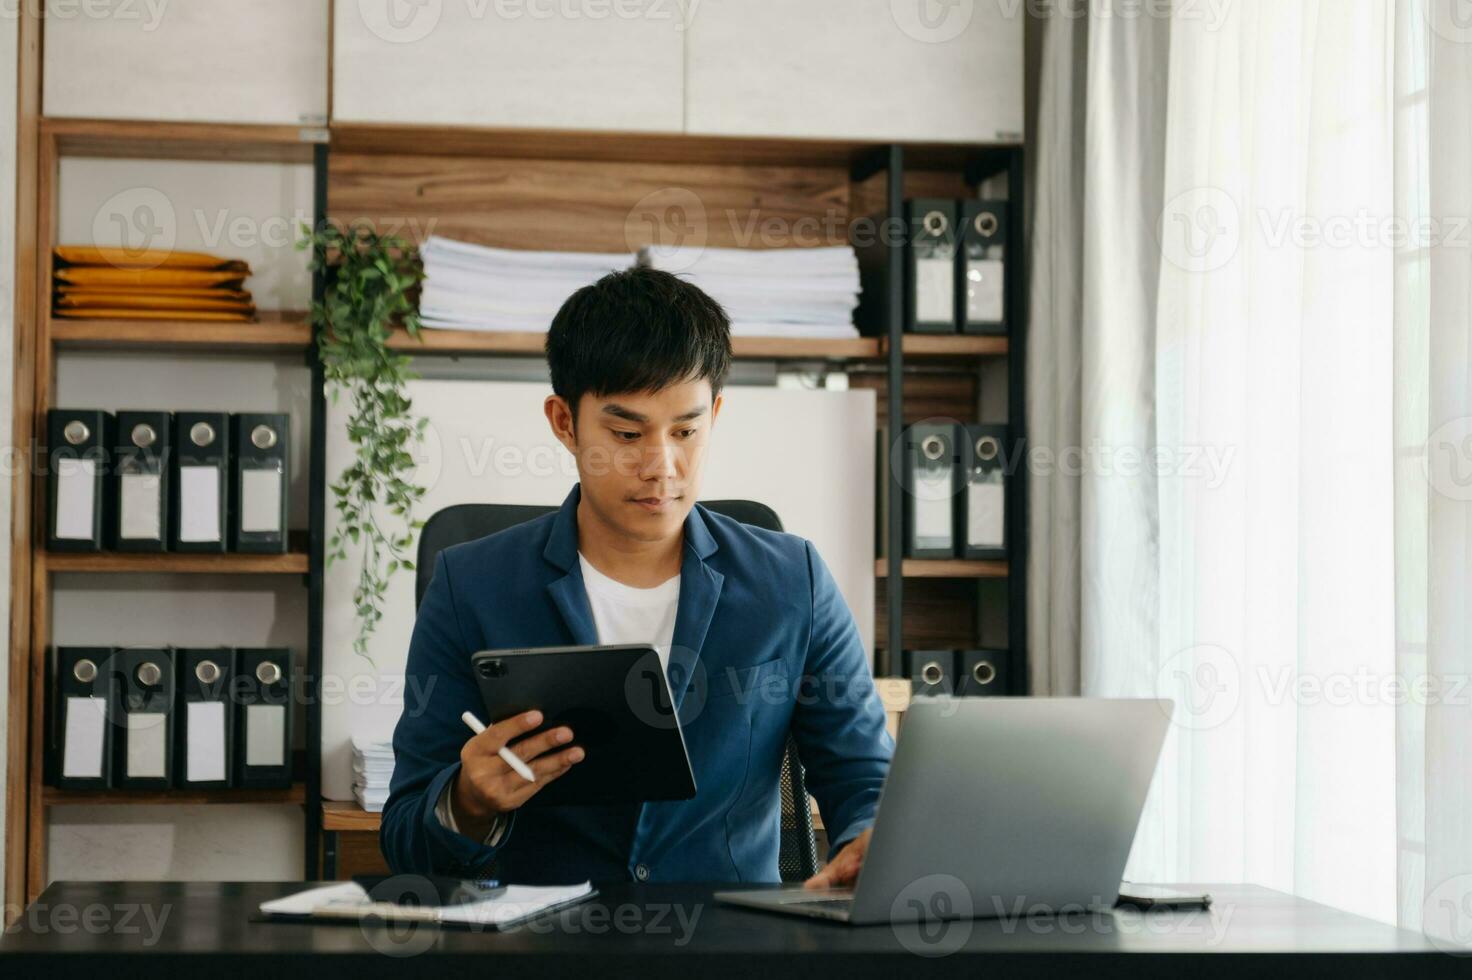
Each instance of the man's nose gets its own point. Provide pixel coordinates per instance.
(663, 459)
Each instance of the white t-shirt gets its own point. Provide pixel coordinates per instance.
(624, 614)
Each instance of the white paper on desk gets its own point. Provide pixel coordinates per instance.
(260, 501)
(199, 503)
(86, 719)
(265, 735)
(76, 496)
(147, 744)
(206, 748)
(138, 504)
(348, 900)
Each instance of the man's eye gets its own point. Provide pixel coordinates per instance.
(623, 436)
(686, 433)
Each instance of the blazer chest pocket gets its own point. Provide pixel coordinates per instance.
(763, 683)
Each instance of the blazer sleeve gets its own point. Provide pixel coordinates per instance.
(839, 719)
(438, 688)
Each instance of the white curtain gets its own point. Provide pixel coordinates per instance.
(1257, 374)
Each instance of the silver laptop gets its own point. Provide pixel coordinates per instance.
(996, 807)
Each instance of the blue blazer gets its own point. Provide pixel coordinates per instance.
(762, 638)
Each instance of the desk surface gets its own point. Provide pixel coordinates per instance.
(204, 929)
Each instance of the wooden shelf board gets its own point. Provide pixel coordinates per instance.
(950, 345)
(51, 796)
(944, 568)
(348, 817)
(638, 147)
(272, 331)
(156, 140)
(295, 562)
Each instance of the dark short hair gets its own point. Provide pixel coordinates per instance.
(637, 330)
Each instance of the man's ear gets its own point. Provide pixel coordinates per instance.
(560, 417)
(715, 409)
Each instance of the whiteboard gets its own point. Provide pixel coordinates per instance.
(809, 455)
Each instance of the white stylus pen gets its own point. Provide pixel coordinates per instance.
(507, 756)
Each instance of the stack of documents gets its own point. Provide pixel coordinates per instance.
(373, 767)
(779, 292)
(144, 284)
(475, 287)
(502, 907)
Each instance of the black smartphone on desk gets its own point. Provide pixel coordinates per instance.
(616, 700)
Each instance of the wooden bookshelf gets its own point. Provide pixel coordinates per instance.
(272, 331)
(944, 568)
(151, 140)
(296, 793)
(290, 563)
(348, 818)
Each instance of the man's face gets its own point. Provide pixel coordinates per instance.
(640, 455)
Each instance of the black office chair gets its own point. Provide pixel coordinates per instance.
(797, 858)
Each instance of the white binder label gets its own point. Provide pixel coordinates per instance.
(935, 299)
(147, 739)
(265, 735)
(260, 501)
(206, 748)
(985, 505)
(984, 290)
(76, 496)
(199, 503)
(138, 503)
(82, 749)
(933, 508)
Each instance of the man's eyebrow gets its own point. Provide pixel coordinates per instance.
(629, 415)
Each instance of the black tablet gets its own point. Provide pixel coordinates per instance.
(617, 703)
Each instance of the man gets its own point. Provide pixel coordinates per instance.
(638, 361)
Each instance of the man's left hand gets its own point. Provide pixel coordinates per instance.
(843, 870)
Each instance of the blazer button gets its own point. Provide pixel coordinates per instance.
(641, 872)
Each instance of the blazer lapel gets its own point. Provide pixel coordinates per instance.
(568, 593)
(700, 591)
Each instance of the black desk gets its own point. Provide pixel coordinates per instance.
(202, 930)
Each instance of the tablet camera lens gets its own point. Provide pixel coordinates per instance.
(493, 668)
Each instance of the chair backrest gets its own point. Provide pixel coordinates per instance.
(798, 856)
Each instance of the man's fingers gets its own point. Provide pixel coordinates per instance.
(533, 746)
(548, 768)
(493, 738)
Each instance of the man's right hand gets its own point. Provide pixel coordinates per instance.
(486, 787)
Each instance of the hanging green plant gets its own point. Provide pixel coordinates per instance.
(368, 282)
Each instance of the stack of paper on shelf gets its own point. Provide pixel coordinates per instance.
(373, 766)
(94, 283)
(476, 287)
(779, 292)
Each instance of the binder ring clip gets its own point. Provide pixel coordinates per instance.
(932, 447)
(987, 448)
(201, 433)
(263, 437)
(931, 673)
(986, 224)
(268, 673)
(143, 435)
(76, 432)
(984, 673)
(934, 223)
(85, 671)
(149, 674)
(207, 671)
